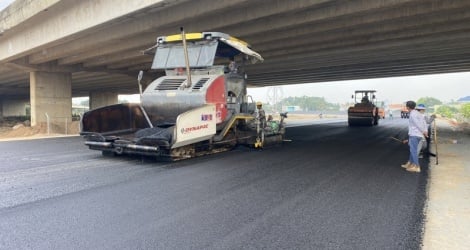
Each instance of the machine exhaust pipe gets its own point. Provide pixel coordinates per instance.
(139, 79)
(186, 58)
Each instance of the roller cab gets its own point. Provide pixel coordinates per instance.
(365, 111)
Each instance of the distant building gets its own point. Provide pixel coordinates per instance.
(291, 108)
(395, 106)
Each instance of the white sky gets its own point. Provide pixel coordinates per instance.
(5, 3)
(445, 87)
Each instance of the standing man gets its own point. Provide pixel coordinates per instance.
(233, 67)
(261, 114)
(429, 119)
(417, 131)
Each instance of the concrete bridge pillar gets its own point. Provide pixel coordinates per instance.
(101, 99)
(51, 94)
(1, 109)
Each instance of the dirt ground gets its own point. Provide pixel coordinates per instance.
(17, 129)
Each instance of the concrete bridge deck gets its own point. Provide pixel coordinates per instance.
(99, 43)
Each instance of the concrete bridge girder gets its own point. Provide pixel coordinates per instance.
(366, 4)
(76, 18)
(100, 99)
(133, 27)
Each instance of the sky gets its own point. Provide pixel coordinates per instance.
(444, 87)
(5, 3)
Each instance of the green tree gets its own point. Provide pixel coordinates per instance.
(447, 111)
(310, 103)
(429, 102)
(465, 110)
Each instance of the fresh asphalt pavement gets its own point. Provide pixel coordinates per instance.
(330, 187)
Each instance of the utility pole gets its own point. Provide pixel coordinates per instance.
(275, 95)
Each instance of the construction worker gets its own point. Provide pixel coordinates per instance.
(417, 130)
(429, 119)
(365, 99)
(261, 115)
(233, 67)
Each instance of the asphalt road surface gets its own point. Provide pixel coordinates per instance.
(331, 187)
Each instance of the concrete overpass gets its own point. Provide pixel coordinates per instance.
(51, 50)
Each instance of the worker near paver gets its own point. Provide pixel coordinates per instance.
(261, 114)
(417, 131)
(233, 67)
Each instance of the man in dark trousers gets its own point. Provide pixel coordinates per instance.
(417, 131)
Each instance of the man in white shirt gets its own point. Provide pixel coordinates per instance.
(417, 131)
(422, 149)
